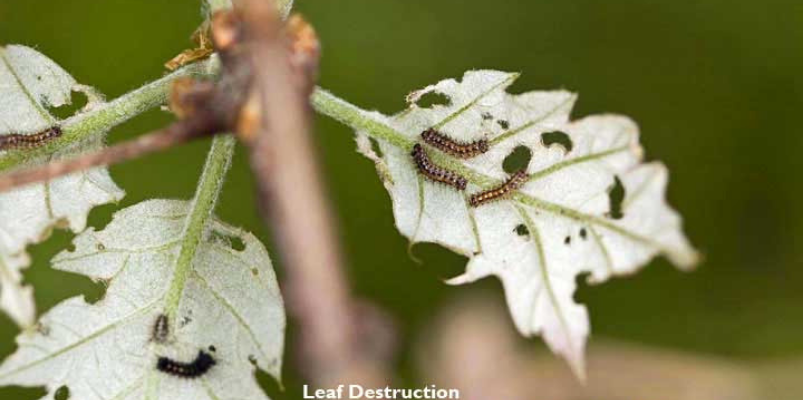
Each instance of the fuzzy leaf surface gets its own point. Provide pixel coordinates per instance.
(564, 221)
(31, 85)
(231, 308)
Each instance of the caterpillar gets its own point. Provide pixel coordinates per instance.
(449, 146)
(14, 141)
(161, 329)
(434, 172)
(201, 365)
(516, 181)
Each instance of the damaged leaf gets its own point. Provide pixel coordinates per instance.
(30, 86)
(230, 311)
(561, 215)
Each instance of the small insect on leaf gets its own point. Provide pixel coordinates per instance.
(543, 196)
(15, 141)
(435, 173)
(202, 363)
(503, 191)
(458, 149)
(161, 329)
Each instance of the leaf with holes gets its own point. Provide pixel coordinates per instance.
(30, 86)
(230, 309)
(563, 197)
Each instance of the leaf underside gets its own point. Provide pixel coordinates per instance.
(231, 308)
(565, 221)
(31, 85)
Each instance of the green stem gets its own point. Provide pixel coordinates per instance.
(206, 195)
(362, 121)
(97, 121)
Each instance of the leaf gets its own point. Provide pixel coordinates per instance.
(560, 224)
(31, 84)
(231, 301)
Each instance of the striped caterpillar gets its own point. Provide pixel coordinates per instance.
(516, 181)
(161, 329)
(434, 172)
(449, 146)
(13, 141)
(202, 364)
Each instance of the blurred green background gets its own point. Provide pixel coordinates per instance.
(714, 84)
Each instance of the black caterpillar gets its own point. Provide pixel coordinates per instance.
(457, 149)
(434, 172)
(516, 181)
(13, 141)
(201, 365)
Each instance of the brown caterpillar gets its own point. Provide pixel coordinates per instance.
(449, 146)
(161, 329)
(516, 181)
(434, 172)
(202, 364)
(13, 141)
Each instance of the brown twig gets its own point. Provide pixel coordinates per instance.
(268, 72)
(177, 133)
(291, 194)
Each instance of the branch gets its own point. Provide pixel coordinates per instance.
(97, 121)
(177, 133)
(291, 194)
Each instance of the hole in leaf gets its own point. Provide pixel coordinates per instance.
(375, 147)
(212, 348)
(487, 116)
(432, 99)
(568, 240)
(254, 272)
(229, 240)
(62, 393)
(77, 102)
(559, 138)
(616, 194)
(237, 243)
(522, 230)
(518, 159)
(504, 124)
(583, 233)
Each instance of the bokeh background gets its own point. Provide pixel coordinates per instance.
(714, 84)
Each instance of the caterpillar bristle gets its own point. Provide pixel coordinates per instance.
(198, 367)
(503, 191)
(435, 173)
(452, 147)
(16, 141)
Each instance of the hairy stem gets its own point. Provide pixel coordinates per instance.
(364, 121)
(97, 121)
(206, 195)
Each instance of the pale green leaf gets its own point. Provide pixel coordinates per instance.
(31, 85)
(231, 302)
(557, 226)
